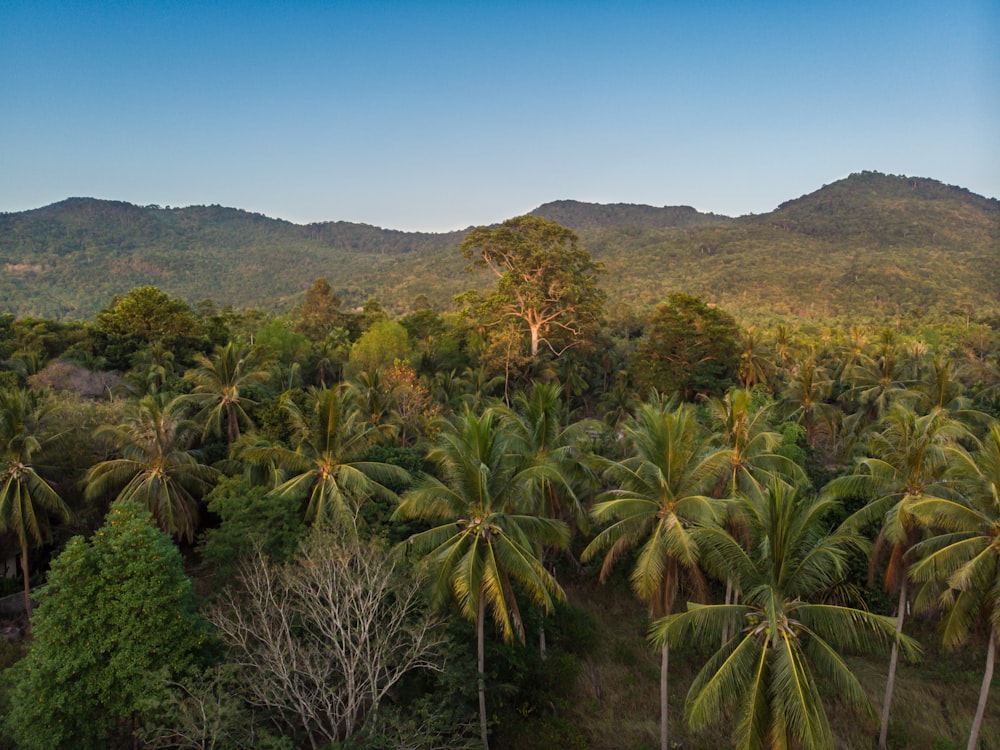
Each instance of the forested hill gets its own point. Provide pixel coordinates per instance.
(578, 216)
(869, 245)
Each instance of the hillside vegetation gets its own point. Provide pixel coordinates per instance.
(879, 245)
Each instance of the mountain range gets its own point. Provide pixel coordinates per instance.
(870, 246)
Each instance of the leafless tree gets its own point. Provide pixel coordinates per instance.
(320, 643)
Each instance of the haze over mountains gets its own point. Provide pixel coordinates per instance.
(870, 245)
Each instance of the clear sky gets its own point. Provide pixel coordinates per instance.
(442, 115)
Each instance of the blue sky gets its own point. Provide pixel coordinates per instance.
(442, 115)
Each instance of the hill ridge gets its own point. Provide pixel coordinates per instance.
(866, 244)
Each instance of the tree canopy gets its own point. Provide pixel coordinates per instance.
(115, 622)
(546, 282)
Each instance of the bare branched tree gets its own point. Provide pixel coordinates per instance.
(320, 643)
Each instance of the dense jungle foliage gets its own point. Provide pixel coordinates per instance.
(536, 520)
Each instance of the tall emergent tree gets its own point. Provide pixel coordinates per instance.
(484, 540)
(144, 317)
(22, 492)
(117, 620)
(545, 281)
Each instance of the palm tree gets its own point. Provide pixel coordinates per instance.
(906, 461)
(743, 432)
(877, 380)
(217, 384)
(152, 368)
(756, 365)
(742, 428)
(618, 401)
(659, 493)
(542, 439)
(536, 421)
(373, 395)
(327, 463)
(157, 467)
(23, 493)
(960, 567)
(485, 540)
(806, 393)
(786, 633)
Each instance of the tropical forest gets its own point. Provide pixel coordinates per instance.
(596, 476)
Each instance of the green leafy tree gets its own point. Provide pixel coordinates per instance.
(219, 388)
(783, 655)
(327, 463)
(143, 317)
(157, 467)
(379, 346)
(24, 496)
(250, 521)
(544, 280)
(659, 493)
(320, 312)
(690, 347)
(116, 621)
(960, 565)
(485, 539)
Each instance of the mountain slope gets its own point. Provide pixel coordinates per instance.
(870, 245)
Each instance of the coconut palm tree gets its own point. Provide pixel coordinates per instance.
(905, 461)
(805, 395)
(536, 420)
(24, 496)
(960, 566)
(786, 632)
(541, 438)
(742, 430)
(326, 463)
(484, 539)
(659, 493)
(877, 381)
(756, 364)
(151, 369)
(157, 467)
(220, 384)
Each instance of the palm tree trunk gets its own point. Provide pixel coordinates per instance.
(664, 664)
(893, 658)
(232, 426)
(27, 584)
(984, 691)
(729, 596)
(481, 655)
